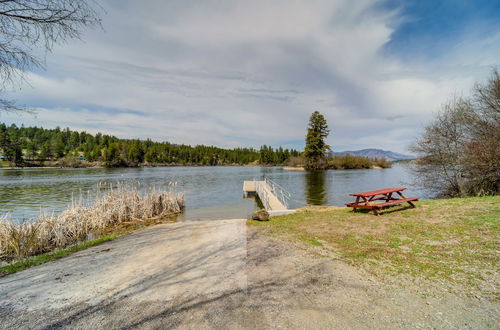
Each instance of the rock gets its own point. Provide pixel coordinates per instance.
(261, 215)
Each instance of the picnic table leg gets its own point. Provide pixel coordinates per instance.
(367, 202)
(357, 201)
(403, 196)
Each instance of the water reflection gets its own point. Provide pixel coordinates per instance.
(315, 187)
(211, 192)
(266, 172)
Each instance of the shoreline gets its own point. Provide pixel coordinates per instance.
(285, 168)
(138, 166)
(101, 236)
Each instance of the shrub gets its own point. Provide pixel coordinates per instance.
(349, 162)
(382, 162)
(458, 152)
(295, 161)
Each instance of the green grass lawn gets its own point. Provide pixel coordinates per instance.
(455, 239)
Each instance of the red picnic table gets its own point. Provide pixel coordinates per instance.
(364, 200)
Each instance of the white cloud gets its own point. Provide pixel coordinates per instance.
(248, 73)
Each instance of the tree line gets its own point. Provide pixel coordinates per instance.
(31, 146)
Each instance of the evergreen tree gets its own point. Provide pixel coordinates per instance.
(135, 153)
(111, 155)
(11, 148)
(32, 150)
(45, 151)
(54, 144)
(58, 146)
(3, 135)
(316, 147)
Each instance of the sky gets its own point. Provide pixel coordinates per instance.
(248, 73)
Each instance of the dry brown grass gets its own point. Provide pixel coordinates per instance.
(111, 208)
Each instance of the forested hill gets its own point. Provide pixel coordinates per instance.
(25, 146)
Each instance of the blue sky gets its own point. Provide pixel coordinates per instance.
(247, 73)
(430, 28)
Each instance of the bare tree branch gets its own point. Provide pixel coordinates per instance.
(32, 27)
(459, 151)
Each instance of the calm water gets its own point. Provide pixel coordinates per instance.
(210, 192)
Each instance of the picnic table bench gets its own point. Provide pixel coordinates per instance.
(364, 200)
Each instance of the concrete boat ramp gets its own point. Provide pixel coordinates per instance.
(274, 197)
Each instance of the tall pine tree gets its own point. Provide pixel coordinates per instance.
(316, 147)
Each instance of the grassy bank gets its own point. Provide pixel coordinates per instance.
(455, 240)
(104, 235)
(112, 209)
(46, 257)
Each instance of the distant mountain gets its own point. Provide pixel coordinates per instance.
(374, 153)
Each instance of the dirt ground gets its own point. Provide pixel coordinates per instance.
(220, 274)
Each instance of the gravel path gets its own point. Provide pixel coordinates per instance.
(219, 274)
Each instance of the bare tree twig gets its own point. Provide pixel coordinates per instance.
(30, 26)
(459, 151)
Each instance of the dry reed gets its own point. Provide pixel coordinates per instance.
(112, 207)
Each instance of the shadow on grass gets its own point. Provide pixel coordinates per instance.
(388, 210)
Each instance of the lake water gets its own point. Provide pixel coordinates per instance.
(210, 192)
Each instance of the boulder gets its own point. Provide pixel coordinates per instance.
(261, 215)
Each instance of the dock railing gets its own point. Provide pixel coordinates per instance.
(281, 193)
(263, 194)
